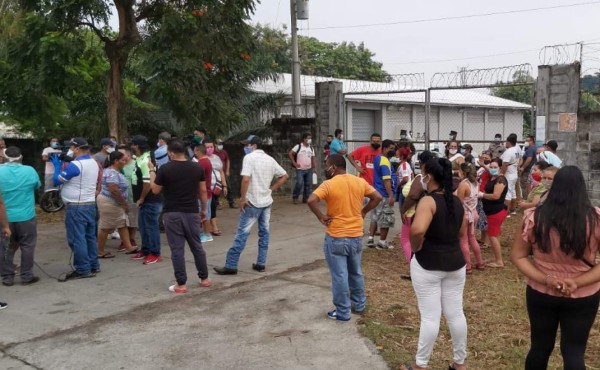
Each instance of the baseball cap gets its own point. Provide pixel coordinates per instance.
(552, 144)
(498, 136)
(78, 142)
(252, 139)
(139, 140)
(453, 133)
(106, 141)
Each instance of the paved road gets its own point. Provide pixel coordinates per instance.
(126, 319)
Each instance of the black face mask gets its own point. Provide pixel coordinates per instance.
(390, 154)
(375, 146)
(486, 162)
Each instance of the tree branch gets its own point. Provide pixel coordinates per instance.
(96, 30)
(145, 11)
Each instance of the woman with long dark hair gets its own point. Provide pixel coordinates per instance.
(467, 192)
(562, 233)
(438, 267)
(495, 210)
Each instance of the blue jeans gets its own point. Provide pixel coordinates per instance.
(80, 224)
(248, 218)
(149, 228)
(303, 180)
(343, 256)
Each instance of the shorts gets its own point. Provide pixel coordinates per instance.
(495, 223)
(112, 216)
(383, 215)
(208, 215)
(512, 191)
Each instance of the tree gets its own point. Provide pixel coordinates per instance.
(186, 47)
(520, 93)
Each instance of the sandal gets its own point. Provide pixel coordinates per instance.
(405, 276)
(106, 255)
(133, 251)
(216, 232)
(480, 266)
(494, 265)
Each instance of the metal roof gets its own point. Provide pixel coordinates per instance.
(463, 98)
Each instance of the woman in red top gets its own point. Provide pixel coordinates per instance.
(563, 288)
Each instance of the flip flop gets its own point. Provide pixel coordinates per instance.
(106, 255)
(133, 251)
(216, 232)
(494, 265)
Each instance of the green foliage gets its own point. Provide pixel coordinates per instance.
(591, 83)
(522, 94)
(588, 102)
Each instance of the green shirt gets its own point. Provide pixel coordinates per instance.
(538, 190)
(129, 173)
(18, 184)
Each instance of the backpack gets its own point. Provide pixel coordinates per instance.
(299, 146)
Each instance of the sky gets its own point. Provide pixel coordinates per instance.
(445, 46)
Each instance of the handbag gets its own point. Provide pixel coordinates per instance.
(218, 187)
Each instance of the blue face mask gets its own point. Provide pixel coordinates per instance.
(494, 171)
(54, 144)
(247, 149)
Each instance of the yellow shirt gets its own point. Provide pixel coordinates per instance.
(344, 196)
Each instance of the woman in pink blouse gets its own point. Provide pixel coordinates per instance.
(562, 235)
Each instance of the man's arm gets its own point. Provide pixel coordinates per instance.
(156, 189)
(280, 181)
(227, 163)
(243, 192)
(5, 230)
(525, 164)
(313, 162)
(313, 205)
(353, 162)
(504, 168)
(292, 155)
(374, 199)
(203, 196)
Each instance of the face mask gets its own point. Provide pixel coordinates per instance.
(487, 161)
(390, 154)
(70, 153)
(424, 183)
(494, 171)
(247, 150)
(451, 137)
(341, 136)
(309, 141)
(536, 177)
(158, 144)
(220, 147)
(375, 146)
(54, 144)
(197, 138)
(114, 142)
(547, 184)
(497, 140)
(110, 149)
(526, 144)
(452, 151)
(210, 151)
(329, 173)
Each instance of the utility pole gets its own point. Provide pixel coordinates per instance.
(295, 62)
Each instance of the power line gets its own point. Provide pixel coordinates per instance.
(427, 20)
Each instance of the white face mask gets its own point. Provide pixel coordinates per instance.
(526, 144)
(452, 151)
(70, 153)
(110, 149)
(220, 147)
(309, 141)
(341, 136)
(424, 183)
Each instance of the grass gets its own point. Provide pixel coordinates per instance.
(494, 303)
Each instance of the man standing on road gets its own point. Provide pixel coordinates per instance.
(258, 171)
(496, 147)
(18, 184)
(510, 159)
(182, 184)
(150, 205)
(206, 166)
(344, 196)
(160, 154)
(54, 148)
(106, 147)
(363, 158)
(303, 160)
(337, 145)
(384, 181)
(224, 156)
(80, 183)
(4, 233)
(527, 162)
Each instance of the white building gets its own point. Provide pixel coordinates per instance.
(474, 114)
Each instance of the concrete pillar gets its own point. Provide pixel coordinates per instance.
(557, 92)
(329, 115)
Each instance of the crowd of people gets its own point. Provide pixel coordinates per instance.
(450, 205)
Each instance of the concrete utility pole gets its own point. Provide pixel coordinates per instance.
(295, 62)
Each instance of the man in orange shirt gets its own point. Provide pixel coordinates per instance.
(363, 158)
(344, 219)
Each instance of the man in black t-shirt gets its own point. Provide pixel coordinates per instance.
(182, 183)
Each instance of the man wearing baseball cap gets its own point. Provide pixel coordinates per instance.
(80, 182)
(106, 147)
(258, 171)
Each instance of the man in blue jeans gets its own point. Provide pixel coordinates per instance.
(258, 171)
(303, 160)
(150, 204)
(344, 219)
(80, 182)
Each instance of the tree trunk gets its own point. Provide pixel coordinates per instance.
(117, 52)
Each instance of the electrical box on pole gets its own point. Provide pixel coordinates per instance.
(302, 9)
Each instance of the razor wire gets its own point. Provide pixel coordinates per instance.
(560, 54)
(485, 77)
(397, 82)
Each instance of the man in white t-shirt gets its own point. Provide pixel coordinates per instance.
(303, 160)
(510, 160)
(54, 148)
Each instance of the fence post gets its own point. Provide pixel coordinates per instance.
(427, 116)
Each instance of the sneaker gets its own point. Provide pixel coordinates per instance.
(74, 275)
(333, 315)
(175, 289)
(138, 256)
(151, 258)
(3, 305)
(382, 244)
(371, 242)
(206, 237)
(33, 280)
(114, 235)
(96, 271)
(257, 267)
(8, 283)
(225, 271)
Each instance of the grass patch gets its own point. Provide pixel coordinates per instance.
(494, 302)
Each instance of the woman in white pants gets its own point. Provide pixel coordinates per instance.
(438, 267)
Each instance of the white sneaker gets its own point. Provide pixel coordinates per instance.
(383, 244)
(206, 237)
(114, 235)
(370, 242)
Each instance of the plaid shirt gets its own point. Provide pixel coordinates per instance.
(261, 168)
